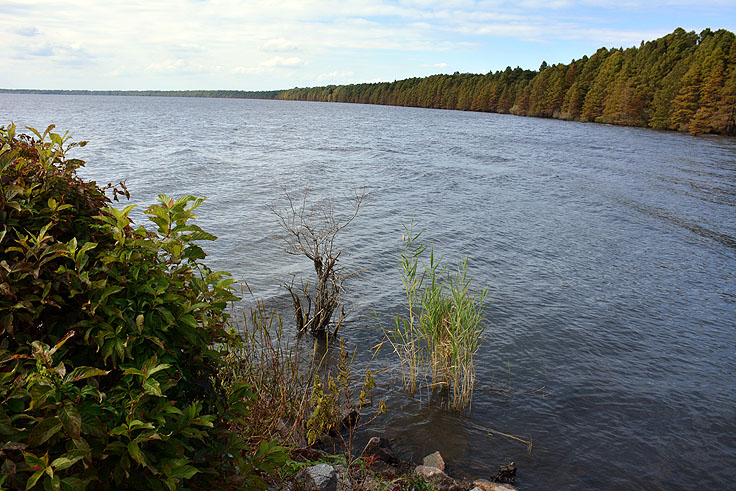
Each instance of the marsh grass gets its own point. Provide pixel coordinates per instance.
(306, 390)
(442, 329)
(273, 365)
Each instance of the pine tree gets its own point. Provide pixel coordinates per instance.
(595, 99)
(685, 103)
(704, 118)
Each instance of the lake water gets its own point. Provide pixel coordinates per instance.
(609, 254)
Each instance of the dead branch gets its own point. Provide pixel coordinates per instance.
(310, 230)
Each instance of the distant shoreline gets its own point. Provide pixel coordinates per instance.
(212, 94)
(277, 96)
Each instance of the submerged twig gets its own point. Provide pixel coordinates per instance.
(491, 431)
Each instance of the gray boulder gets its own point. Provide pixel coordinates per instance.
(486, 485)
(434, 460)
(321, 477)
(438, 479)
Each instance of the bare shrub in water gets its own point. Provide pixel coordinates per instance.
(311, 230)
(443, 326)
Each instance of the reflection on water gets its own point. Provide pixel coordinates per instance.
(609, 254)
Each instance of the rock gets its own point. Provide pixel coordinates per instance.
(343, 479)
(321, 477)
(437, 479)
(486, 485)
(434, 460)
(506, 473)
(380, 448)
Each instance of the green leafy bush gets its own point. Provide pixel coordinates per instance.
(108, 358)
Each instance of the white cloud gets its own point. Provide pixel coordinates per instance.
(270, 65)
(231, 42)
(246, 70)
(342, 76)
(27, 31)
(283, 62)
(280, 44)
(177, 66)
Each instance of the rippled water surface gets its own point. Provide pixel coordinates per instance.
(609, 254)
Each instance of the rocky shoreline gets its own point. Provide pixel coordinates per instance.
(380, 469)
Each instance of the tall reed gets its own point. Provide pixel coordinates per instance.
(442, 329)
(273, 367)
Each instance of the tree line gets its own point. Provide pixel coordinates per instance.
(683, 81)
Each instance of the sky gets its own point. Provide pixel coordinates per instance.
(267, 45)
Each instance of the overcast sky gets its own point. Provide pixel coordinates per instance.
(259, 45)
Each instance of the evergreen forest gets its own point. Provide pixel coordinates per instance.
(683, 81)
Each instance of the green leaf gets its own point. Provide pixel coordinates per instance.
(88, 246)
(201, 235)
(183, 472)
(48, 130)
(35, 132)
(133, 371)
(189, 320)
(184, 199)
(158, 211)
(193, 251)
(158, 368)
(65, 462)
(54, 484)
(55, 138)
(119, 430)
(6, 426)
(127, 210)
(170, 409)
(137, 424)
(81, 373)
(71, 420)
(34, 461)
(168, 317)
(43, 231)
(45, 430)
(13, 446)
(135, 452)
(34, 479)
(109, 291)
(152, 387)
(74, 484)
